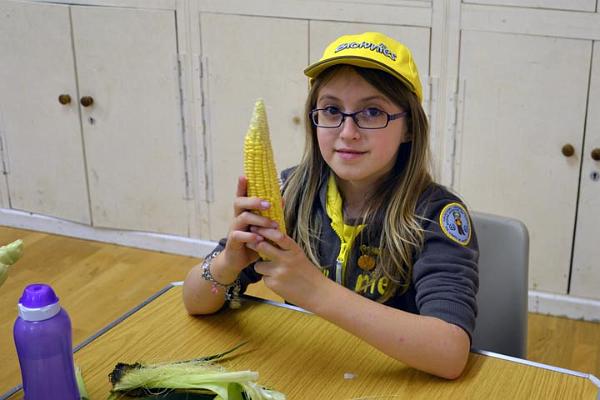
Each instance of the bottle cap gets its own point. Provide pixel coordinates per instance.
(38, 302)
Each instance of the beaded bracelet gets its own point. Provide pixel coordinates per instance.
(232, 291)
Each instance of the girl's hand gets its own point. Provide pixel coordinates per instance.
(289, 273)
(238, 253)
(201, 296)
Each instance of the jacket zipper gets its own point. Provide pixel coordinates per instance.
(341, 258)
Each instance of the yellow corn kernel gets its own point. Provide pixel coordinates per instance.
(259, 166)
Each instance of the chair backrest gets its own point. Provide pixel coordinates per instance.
(501, 324)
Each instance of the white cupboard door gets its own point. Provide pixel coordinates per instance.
(41, 137)
(127, 63)
(246, 58)
(585, 278)
(524, 99)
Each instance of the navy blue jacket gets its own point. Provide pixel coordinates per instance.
(444, 279)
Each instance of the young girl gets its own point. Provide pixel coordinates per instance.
(373, 244)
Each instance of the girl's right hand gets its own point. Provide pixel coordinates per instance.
(201, 296)
(237, 255)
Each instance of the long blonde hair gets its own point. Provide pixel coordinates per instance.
(393, 201)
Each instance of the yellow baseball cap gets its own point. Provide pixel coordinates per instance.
(371, 50)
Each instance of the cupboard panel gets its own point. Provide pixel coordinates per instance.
(42, 137)
(127, 62)
(524, 98)
(585, 279)
(246, 58)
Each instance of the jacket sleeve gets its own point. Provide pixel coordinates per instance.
(445, 273)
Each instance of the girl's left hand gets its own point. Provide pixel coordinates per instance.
(289, 273)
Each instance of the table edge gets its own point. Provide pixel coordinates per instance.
(549, 367)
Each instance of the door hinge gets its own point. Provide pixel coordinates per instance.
(3, 156)
(209, 193)
(457, 102)
(189, 192)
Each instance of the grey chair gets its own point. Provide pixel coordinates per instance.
(501, 324)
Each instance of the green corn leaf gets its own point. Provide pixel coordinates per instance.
(198, 377)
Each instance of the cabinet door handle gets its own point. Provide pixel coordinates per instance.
(86, 101)
(596, 154)
(64, 99)
(568, 150)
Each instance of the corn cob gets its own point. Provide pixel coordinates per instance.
(9, 255)
(259, 166)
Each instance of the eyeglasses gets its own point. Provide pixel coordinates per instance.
(369, 118)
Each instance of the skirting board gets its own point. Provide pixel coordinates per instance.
(539, 302)
(142, 240)
(564, 306)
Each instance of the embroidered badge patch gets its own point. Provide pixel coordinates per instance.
(456, 224)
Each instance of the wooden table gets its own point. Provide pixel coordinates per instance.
(306, 357)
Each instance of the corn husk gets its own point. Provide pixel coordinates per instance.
(83, 394)
(9, 255)
(198, 376)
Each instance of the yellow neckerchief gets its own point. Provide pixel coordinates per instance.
(346, 233)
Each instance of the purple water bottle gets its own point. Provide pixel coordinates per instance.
(42, 335)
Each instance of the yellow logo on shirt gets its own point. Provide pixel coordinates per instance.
(365, 283)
